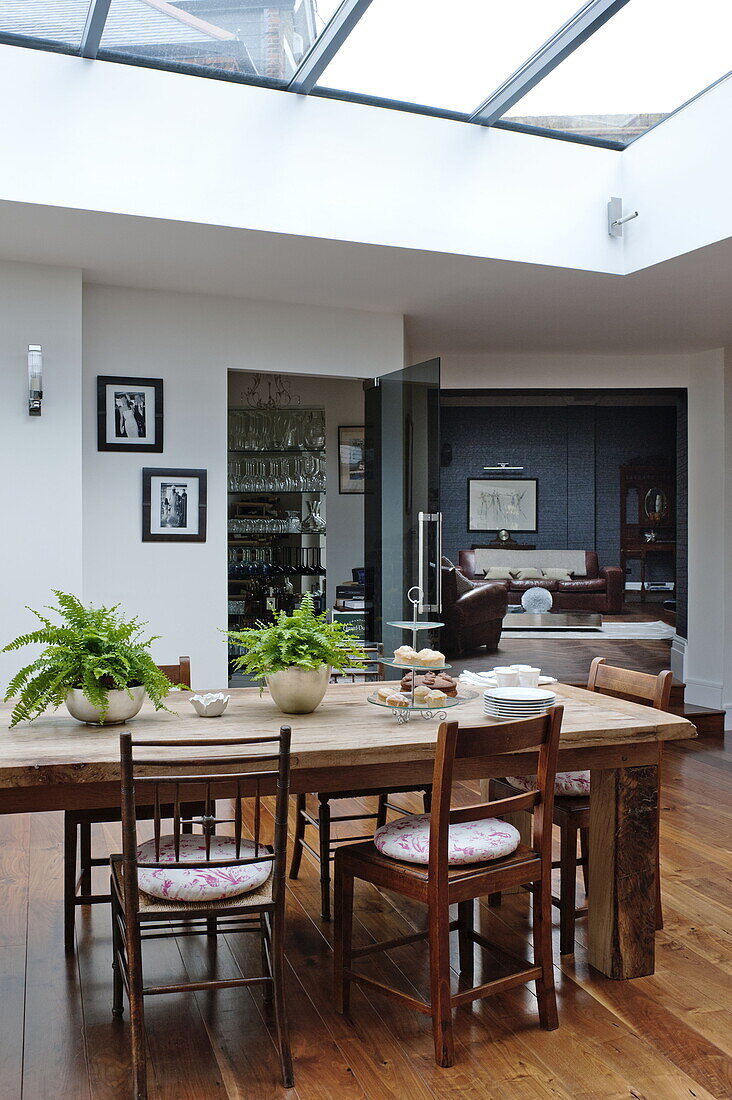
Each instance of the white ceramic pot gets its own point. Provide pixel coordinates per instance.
(298, 690)
(122, 706)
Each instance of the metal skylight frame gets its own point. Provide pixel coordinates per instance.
(96, 19)
(490, 112)
(566, 40)
(327, 45)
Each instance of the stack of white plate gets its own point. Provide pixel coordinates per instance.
(517, 702)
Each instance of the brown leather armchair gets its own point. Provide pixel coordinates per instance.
(473, 619)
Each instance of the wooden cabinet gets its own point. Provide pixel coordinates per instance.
(647, 514)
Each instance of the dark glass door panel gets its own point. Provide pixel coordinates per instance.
(402, 496)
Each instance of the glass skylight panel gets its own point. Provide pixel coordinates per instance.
(59, 21)
(442, 54)
(258, 40)
(641, 65)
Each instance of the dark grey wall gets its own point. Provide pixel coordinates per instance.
(575, 452)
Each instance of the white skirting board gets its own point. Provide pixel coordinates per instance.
(703, 693)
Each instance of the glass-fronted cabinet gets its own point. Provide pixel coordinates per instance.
(276, 512)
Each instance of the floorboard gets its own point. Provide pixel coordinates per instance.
(667, 1037)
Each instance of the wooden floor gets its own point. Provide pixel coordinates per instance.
(662, 1038)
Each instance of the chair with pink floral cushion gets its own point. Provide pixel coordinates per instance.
(453, 856)
(78, 834)
(572, 795)
(207, 883)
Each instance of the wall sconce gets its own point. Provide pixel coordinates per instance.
(502, 468)
(615, 219)
(35, 379)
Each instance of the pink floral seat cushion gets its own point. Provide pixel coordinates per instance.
(199, 883)
(408, 838)
(566, 784)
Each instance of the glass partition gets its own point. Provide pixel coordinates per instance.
(402, 496)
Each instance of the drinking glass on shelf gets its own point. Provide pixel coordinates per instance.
(309, 470)
(319, 478)
(298, 440)
(277, 424)
(314, 430)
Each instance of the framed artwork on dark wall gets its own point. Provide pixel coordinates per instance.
(129, 414)
(502, 504)
(173, 505)
(351, 464)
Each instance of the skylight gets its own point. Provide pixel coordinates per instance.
(605, 73)
(442, 55)
(645, 62)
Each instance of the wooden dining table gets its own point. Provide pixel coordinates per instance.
(56, 763)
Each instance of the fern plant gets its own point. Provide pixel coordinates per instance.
(301, 640)
(94, 649)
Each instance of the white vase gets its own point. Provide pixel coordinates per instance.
(122, 706)
(298, 690)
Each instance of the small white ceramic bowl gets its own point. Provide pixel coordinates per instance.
(210, 705)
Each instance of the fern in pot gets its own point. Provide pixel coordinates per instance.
(295, 655)
(95, 661)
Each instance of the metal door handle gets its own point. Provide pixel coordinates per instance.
(438, 563)
(423, 519)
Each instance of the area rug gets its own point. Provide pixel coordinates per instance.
(619, 632)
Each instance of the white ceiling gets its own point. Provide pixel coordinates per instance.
(452, 303)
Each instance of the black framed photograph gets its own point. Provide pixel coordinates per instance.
(351, 460)
(173, 505)
(502, 504)
(129, 414)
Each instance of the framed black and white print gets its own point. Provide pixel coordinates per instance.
(129, 414)
(173, 505)
(351, 464)
(502, 504)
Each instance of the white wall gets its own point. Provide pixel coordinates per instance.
(707, 673)
(191, 341)
(131, 140)
(343, 402)
(40, 491)
(677, 177)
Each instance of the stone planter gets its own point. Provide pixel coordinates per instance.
(122, 706)
(298, 690)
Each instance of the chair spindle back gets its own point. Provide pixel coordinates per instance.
(491, 741)
(175, 782)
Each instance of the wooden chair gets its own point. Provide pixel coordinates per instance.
(325, 818)
(439, 884)
(78, 835)
(139, 914)
(572, 813)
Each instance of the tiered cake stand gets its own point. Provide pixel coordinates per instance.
(403, 714)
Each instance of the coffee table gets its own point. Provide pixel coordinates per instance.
(552, 620)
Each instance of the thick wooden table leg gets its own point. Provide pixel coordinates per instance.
(623, 837)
